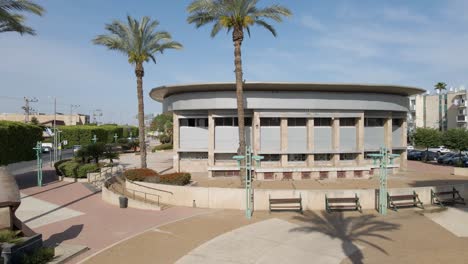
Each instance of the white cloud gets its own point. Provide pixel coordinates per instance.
(312, 23)
(403, 15)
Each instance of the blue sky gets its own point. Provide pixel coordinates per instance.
(415, 43)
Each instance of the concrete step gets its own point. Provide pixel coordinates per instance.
(65, 252)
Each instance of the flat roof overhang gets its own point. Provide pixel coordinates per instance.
(161, 92)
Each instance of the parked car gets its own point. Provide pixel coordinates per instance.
(45, 149)
(458, 158)
(76, 148)
(414, 155)
(439, 149)
(429, 155)
(409, 147)
(444, 158)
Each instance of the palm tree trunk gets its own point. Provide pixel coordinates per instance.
(238, 36)
(139, 72)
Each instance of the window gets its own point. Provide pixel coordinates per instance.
(366, 154)
(193, 122)
(322, 157)
(373, 122)
(193, 155)
(275, 121)
(297, 122)
(348, 156)
(347, 121)
(322, 121)
(232, 121)
(271, 157)
(224, 156)
(397, 122)
(297, 157)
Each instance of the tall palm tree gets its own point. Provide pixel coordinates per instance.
(235, 15)
(139, 41)
(11, 21)
(440, 86)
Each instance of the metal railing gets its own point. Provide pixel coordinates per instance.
(144, 196)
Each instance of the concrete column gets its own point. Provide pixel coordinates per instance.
(336, 140)
(211, 142)
(404, 156)
(175, 141)
(360, 139)
(310, 141)
(284, 141)
(256, 132)
(388, 132)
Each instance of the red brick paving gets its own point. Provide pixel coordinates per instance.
(102, 224)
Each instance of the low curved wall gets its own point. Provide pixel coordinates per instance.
(234, 198)
(113, 198)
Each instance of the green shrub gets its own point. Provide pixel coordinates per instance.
(17, 141)
(8, 236)
(178, 178)
(162, 147)
(57, 164)
(83, 135)
(69, 168)
(139, 174)
(82, 170)
(39, 256)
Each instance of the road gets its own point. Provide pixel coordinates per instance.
(27, 166)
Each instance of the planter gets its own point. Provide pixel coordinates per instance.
(13, 253)
(460, 171)
(123, 202)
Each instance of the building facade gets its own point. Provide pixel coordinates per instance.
(68, 120)
(303, 130)
(440, 111)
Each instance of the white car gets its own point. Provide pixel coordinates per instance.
(409, 147)
(440, 149)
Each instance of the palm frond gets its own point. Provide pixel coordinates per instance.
(266, 25)
(137, 39)
(10, 21)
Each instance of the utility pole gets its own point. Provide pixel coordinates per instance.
(72, 106)
(27, 109)
(55, 129)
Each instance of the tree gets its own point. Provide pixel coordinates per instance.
(163, 123)
(14, 22)
(110, 153)
(456, 139)
(139, 41)
(440, 86)
(235, 16)
(427, 137)
(34, 121)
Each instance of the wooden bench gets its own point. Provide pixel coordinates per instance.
(406, 200)
(343, 204)
(286, 204)
(441, 199)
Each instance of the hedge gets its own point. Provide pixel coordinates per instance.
(83, 135)
(139, 174)
(57, 164)
(178, 178)
(17, 141)
(162, 147)
(75, 169)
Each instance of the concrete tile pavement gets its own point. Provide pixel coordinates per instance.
(100, 224)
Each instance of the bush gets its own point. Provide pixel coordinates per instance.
(83, 135)
(57, 164)
(17, 141)
(39, 256)
(162, 147)
(8, 236)
(178, 178)
(68, 168)
(139, 174)
(82, 170)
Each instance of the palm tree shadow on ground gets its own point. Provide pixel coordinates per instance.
(349, 230)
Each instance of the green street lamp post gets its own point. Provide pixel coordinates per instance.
(384, 158)
(94, 139)
(38, 150)
(249, 160)
(115, 138)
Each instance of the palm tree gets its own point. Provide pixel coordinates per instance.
(10, 21)
(440, 86)
(235, 15)
(139, 41)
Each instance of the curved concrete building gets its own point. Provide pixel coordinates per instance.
(304, 130)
